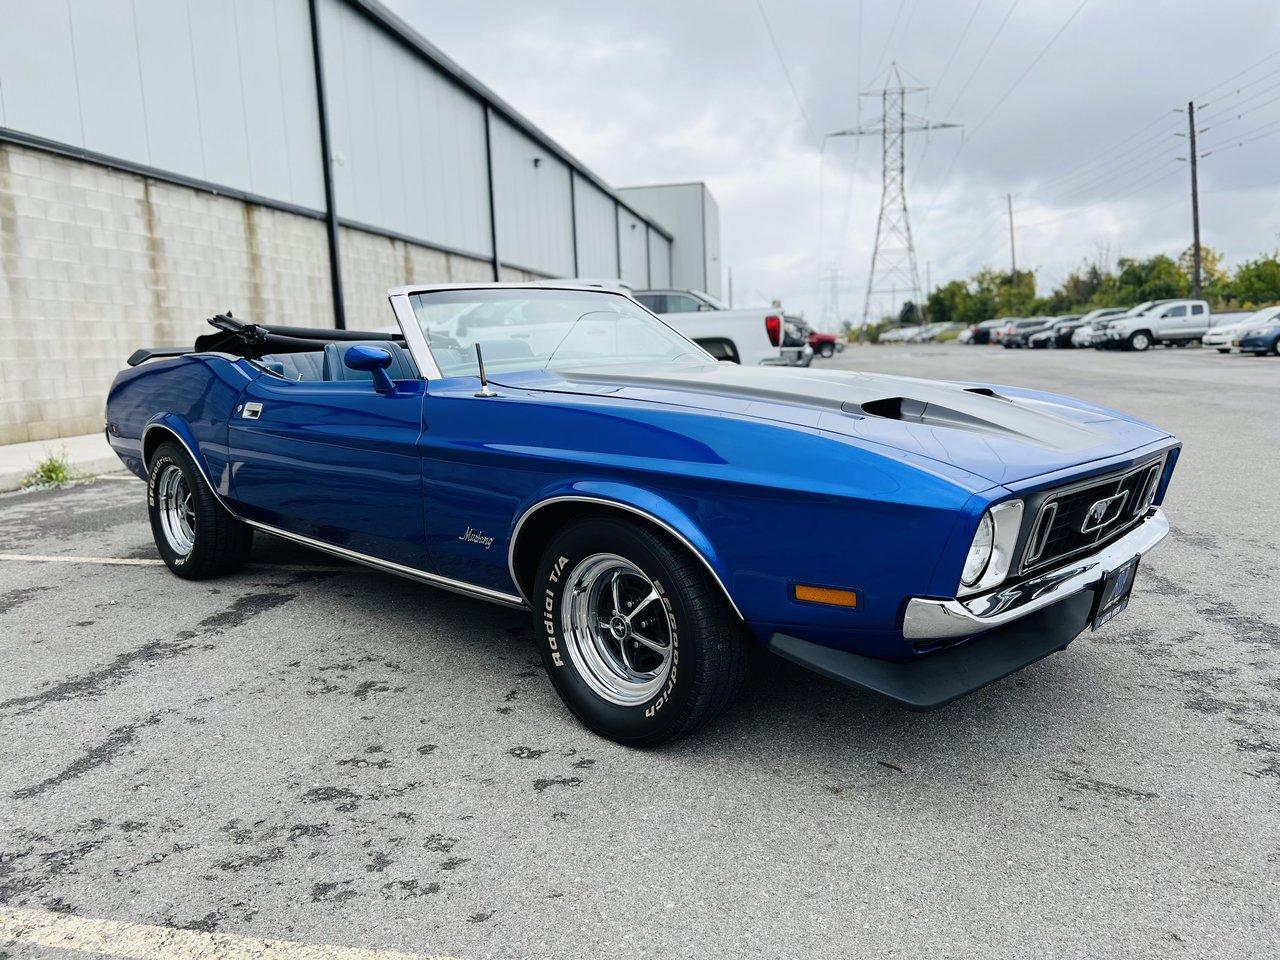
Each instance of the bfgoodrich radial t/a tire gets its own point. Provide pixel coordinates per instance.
(196, 536)
(636, 636)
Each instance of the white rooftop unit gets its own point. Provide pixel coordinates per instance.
(690, 213)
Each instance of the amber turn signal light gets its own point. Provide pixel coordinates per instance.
(827, 595)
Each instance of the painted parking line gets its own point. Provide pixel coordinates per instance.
(117, 476)
(140, 941)
(156, 562)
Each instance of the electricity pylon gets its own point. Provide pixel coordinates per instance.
(893, 275)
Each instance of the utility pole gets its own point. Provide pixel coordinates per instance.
(1195, 199)
(731, 288)
(894, 275)
(1013, 253)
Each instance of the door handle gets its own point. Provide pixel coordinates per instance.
(251, 411)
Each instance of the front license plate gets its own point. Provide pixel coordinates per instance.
(1113, 593)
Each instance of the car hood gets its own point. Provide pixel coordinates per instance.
(1003, 434)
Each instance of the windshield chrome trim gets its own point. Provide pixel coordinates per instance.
(420, 349)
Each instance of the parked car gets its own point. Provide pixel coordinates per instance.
(1056, 335)
(1083, 334)
(980, 333)
(899, 334)
(1171, 322)
(1002, 327)
(591, 464)
(1227, 327)
(752, 337)
(1013, 336)
(826, 344)
(1262, 335)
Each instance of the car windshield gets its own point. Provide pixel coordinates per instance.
(536, 329)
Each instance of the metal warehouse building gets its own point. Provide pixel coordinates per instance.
(162, 160)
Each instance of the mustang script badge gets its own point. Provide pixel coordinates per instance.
(477, 536)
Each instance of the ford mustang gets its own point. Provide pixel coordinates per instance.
(665, 517)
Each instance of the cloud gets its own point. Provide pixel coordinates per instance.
(667, 90)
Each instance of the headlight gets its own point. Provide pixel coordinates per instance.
(991, 553)
(979, 552)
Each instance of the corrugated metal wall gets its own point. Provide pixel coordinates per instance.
(215, 90)
(222, 92)
(597, 231)
(531, 193)
(408, 145)
(659, 260)
(635, 249)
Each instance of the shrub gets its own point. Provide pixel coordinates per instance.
(52, 471)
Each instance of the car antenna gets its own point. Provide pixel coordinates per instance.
(484, 381)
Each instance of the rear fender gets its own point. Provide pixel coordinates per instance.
(170, 426)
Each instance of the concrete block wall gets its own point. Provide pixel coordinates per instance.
(96, 262)
(372, 264)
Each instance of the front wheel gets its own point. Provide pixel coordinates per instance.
(635, 635)
(196, 536)
(827, 351)
(1139, 340)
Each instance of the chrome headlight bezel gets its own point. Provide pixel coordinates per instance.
(1005, 519)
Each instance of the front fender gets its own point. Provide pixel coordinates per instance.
(631, 499)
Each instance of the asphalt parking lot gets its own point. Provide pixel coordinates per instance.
(312, 752)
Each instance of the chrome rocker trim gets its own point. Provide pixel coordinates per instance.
(927, 619)
(433, 579)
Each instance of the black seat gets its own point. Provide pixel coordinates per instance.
(297, 366)
(335, 369)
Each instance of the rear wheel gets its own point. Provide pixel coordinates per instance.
(196, 536)
(827, 350)
(636, 637)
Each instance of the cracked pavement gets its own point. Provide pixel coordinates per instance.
(338, 756)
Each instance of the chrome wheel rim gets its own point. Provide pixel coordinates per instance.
(617, 629)
(1141, 342)
(177, 510)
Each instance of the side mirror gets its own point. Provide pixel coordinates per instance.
(371, 360)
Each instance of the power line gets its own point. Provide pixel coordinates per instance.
(983, 58)
(1232, 142)
(972, 73)
(785, 72)
(1021, 77)
(1237, 91)
(1072, 172)
(888, 41)
(959, 43)
(1233, 77)
(1031, 66)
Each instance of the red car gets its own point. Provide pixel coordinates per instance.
(825, 344)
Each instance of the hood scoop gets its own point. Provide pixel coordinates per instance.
(911, 410)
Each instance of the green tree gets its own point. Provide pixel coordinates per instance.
(1257, 282)
(1156, 278)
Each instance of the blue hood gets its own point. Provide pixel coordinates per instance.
(1003, 434)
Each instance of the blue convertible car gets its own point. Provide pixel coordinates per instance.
(664, 516)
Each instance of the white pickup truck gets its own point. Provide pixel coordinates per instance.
(751, 337)
(1170, 322)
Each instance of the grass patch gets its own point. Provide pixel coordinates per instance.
(52, 471)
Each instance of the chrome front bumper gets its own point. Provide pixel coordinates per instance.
(939, 619)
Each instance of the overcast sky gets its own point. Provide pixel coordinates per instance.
(1070, 108)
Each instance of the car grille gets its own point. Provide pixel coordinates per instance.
(1064, 525)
